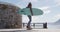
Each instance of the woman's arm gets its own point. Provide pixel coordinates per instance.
(30, 6)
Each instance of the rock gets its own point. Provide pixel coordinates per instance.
(9, 17)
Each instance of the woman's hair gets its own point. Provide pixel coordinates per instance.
(29, 5)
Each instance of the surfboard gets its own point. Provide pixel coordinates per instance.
(26, 11)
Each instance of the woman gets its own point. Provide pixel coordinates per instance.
(29, 16)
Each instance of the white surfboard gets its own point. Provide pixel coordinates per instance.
(26, 11)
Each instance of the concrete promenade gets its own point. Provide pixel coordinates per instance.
(33, 30)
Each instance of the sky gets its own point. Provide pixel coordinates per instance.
(51, 9)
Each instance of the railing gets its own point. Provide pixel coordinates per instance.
(38, 25)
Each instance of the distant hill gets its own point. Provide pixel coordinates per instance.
(57, 22)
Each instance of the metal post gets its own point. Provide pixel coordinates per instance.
(45, 25)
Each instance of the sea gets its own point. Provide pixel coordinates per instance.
(51, 26)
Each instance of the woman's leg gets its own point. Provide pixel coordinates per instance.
(29, 20)
(28, 25)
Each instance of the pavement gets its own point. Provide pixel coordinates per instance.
(33, 30)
